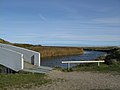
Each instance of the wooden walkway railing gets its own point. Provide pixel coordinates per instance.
(71, 62)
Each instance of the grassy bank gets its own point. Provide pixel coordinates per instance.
(103, 68)
(9, 81)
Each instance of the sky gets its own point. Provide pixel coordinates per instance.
(61, 22)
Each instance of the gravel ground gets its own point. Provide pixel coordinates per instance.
(81, 81)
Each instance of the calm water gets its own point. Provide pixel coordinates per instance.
(56, 61)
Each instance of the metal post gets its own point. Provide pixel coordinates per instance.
(98, 64)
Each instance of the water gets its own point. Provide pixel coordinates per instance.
(57, 61)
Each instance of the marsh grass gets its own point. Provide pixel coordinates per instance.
(56, 51)
(22, 80)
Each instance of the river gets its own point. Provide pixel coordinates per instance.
(56, 61)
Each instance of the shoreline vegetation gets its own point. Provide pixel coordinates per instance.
(107, 49)
(47, 51)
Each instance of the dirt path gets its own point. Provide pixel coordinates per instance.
(81, 81)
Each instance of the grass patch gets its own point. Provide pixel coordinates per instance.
(93, 67)
(22, 80)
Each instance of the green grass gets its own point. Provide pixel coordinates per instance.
(115, 68)
(22, 80)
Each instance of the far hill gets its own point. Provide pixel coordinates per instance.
(17, 44)
(4, 41)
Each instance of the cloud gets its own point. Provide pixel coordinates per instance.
(2, 33)
(110, 20)
(61, 38)
(68, 37)
(100, 38)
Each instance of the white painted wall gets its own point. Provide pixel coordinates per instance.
(11, 59)
(27, 53)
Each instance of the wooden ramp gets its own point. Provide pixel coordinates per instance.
(35, 69)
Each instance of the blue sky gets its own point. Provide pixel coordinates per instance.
(61, 22)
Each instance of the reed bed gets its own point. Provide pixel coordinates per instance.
(57, 51)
